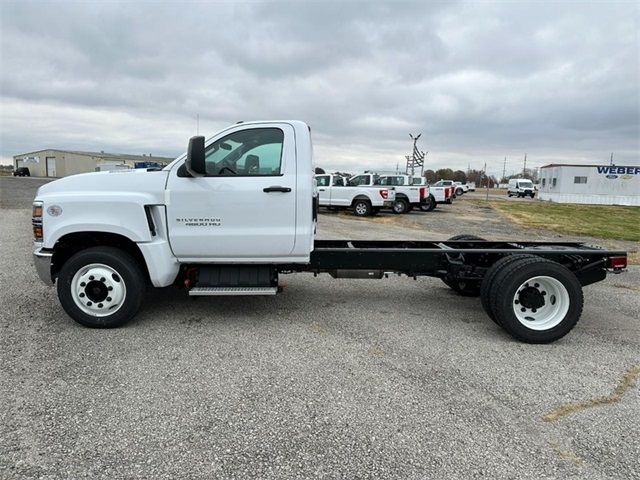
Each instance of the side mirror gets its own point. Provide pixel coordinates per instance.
(195, 157)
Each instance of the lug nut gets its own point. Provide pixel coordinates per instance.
(99, 305)
(92, 277)
(543, 293)
(81, 295)
(89, 304)
(523, 309)
(536, 285)
(110, 288)
(533, 310)
(517, 302)
(102, 279)
(82, 284)
(108, 299)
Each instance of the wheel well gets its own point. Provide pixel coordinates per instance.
(72, 243)
(360, 197)
(402, 196)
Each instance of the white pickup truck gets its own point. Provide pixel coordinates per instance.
(407, 197)
(334, 191)
(441, 194)
(239, 209)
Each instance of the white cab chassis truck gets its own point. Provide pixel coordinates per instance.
(334, 192)
(239, 209)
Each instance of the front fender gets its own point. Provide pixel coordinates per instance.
(118, 213)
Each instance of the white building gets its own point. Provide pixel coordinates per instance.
(591, 184)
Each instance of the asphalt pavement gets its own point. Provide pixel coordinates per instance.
(394, 378)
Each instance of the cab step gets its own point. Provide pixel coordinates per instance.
(231, 291)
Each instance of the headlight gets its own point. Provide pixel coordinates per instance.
(36, 221)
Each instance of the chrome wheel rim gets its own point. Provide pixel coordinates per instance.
(398, 207)
(98, 290)
(541, 303)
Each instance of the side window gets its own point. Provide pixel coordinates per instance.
(251, 152)
(554, 182)
(544, 181)
(322, 181)
(359, 180)
(338, 181)
(579, 179)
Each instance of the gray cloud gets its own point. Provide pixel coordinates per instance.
(480, 80)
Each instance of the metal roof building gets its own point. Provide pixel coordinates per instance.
(590, 184)
(61, 163)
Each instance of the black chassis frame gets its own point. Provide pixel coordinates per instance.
(460, 259)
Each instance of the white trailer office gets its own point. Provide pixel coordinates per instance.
(591, 184)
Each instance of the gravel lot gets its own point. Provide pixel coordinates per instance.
(393, 378)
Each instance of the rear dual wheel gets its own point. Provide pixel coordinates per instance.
(534, 299)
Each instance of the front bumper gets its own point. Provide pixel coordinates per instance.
(42, 261)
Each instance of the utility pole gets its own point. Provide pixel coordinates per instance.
(504, 170)
(484, 174)
(524, 169)
(611, 160)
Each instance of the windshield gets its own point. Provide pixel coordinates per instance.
(525, 184)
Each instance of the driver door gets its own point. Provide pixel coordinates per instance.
(244, 208)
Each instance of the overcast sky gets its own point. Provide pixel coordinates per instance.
(481, 81)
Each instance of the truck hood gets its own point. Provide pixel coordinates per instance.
(150, 184)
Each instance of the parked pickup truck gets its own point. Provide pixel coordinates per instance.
(407, 196)
(239, 209)
(440, 193)
(334, 191)
(461, 188)
(449, 187)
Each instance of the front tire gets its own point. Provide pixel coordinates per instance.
(101, 287)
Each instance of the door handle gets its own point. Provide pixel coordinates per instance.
(322, 189)
(276, 188)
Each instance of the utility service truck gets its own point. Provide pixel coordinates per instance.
(237, 211)
(335, 192)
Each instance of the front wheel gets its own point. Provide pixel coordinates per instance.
(536, 300)
(101, 287)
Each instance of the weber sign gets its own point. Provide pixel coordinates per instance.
(624, 173)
